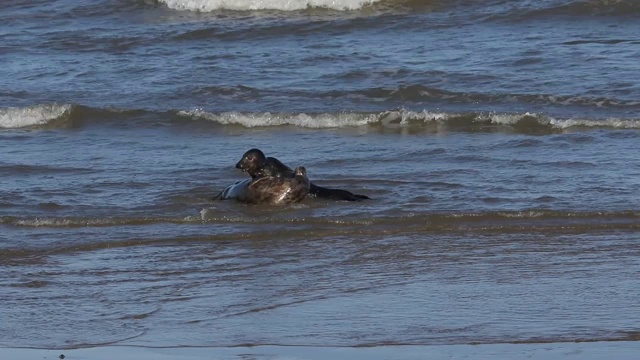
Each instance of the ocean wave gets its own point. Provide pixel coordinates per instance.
(606, 123)
(488, 9)
(64, 115)
(284, 5)
(16, 117)
(424, 120)
(522, 122)
(526, 218)
(316, 121)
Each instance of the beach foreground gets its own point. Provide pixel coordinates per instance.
(619, 350)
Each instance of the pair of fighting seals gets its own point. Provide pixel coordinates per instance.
(273, 182)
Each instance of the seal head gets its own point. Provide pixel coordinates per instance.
(253, 162)
(256, 164)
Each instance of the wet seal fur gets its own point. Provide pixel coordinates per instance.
(269, 189)
(259, 166)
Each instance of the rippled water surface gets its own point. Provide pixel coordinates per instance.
(497, 140)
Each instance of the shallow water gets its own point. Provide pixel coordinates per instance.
(497, 141)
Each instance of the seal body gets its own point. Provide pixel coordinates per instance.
(258, 165)
(269, 189)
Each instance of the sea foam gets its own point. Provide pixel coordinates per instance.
(285, 5)
(316, 121)
(405, 118)
(604, 123)
(16, 117)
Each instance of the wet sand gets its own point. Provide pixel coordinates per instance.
(619, 350)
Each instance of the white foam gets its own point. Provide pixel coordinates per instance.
(398, 118)
(31, 116)
(523, 214)
(285, 5)
(315, 121)
(46, 222)
(512, 119)
(609, 123)
(404, 117)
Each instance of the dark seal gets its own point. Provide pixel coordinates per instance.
(258, 166)
(269, 189)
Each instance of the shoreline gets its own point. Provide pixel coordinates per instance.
(619, 350)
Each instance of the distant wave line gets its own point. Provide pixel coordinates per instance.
(69, 115)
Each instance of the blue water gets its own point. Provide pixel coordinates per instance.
(497, 140)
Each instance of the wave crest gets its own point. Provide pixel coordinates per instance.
(285, 5)
(14, 117)
(427, 120)
(316, 121)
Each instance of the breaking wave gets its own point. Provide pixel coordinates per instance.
(427, 120)
(15, 117)
(526, 122)
(285, 5)
(489, 9)
(316, 121)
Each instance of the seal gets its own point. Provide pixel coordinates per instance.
(258, 165)
(271, 190)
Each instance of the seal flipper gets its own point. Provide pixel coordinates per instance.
(218, 197)
(335, 194)
(275, 167)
